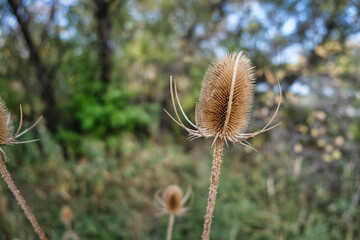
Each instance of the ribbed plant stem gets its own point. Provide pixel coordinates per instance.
(7, 177)
(214, 181)
(170, 227)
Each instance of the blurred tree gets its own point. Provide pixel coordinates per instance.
(102, 15)
(45, 65)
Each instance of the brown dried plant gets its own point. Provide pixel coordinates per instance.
(7, 139)
(222, 113)
(172, 202)
(66, 216)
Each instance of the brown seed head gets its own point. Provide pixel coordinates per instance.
(66, 215)
(172, 197)
(226, 97)
(6, 127)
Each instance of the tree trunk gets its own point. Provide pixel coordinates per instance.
(46, 88)
(103, 33)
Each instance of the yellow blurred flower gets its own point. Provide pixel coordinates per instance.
(326, 158)
(302, 128)
(314, 132)
(336, 154)
(329, 148)
(321, 143)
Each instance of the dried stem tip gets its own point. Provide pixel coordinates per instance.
(226, 97)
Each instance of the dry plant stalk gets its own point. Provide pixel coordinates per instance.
(222, 113)
(172, 202)
(7, 139)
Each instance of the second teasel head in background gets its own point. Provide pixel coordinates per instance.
(172, 201)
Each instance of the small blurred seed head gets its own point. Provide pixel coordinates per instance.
(6, 127)
(339, 141)
(172, 197)
(298, 147)
(172, 200)
(66, 215)
(215, 95)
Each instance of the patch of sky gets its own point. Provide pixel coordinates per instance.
(290, 54)
(24, 53)
(42, 8)
(211, 44)
(300, 88)
(289, 26)
(220, 52)
(200, 29)
(134, 12)
(263, 46)
(232, 21)
(262, 87)
(328, 91)
(300, 8)
(68, 2)
(354, 38)
(245, 36)
(10, 21)
(315, 34)
(62, 20)
(257, 10)
(153, 16)
(216, 17)
(67, 33)
(271, 32)
(351, 13)
(236, 14)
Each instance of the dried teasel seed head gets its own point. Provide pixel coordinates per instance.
(172, 198)
(226, 97)
(6, 127)
(66, 214)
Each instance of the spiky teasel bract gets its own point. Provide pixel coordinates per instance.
(222, 113)
(172, 202)
(6, 129)
(225, 101)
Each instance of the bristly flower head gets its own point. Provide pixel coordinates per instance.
(172, 201)
(226, 97)
(6, 129)
(225, 101)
